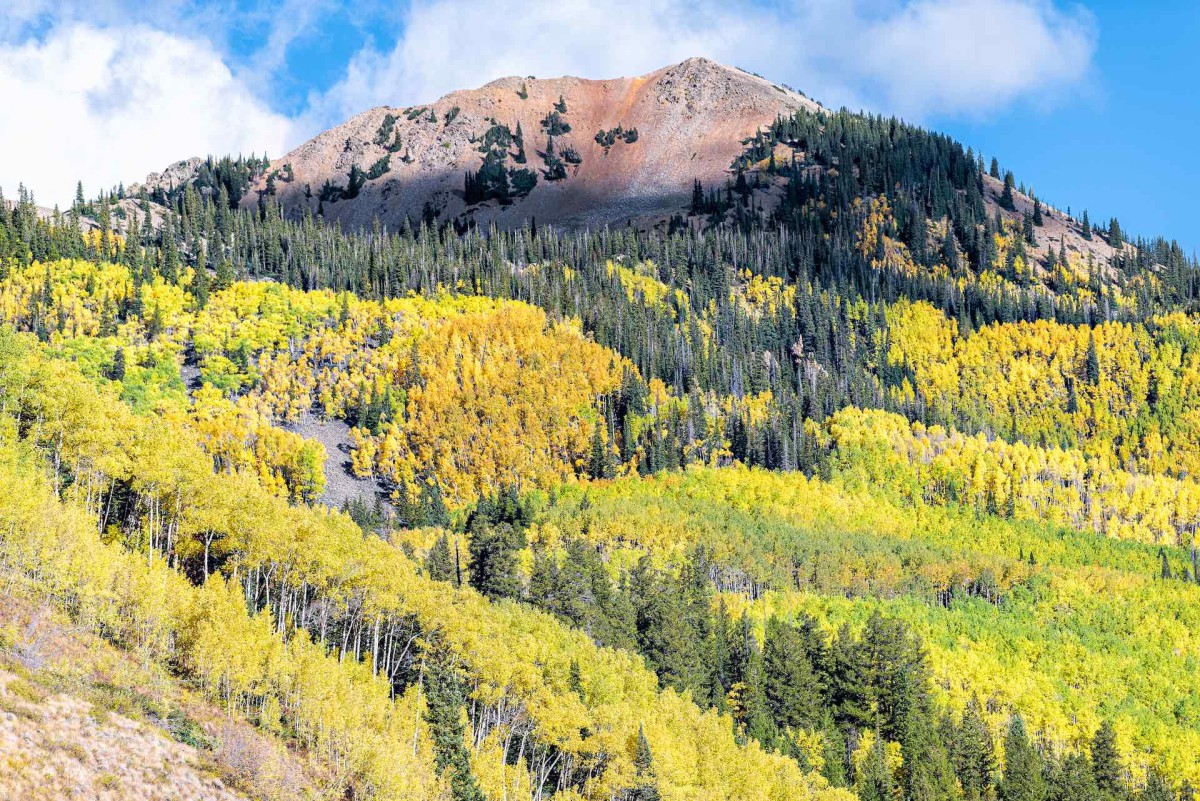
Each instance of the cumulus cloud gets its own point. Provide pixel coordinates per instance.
(969, 56)
(110, 105)
(915, 58)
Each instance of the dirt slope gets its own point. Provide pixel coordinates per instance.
(691, 119)
(81, 719)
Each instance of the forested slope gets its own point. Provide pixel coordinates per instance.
(877, 489)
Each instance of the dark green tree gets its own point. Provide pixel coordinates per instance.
(1093, 360)
(1073, 781)
(643, 761)
(975, 754)
(793, 689)
(439, 563)
(445, 700)
(1023, 769)
(1106, 762)
(1007, 201)
(117, 371)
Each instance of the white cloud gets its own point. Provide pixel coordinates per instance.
(915, 58)
(969, 56)
(457, 44)
(110, 105)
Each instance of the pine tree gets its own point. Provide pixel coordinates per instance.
(225, 275)
(1086, 226)
(117, 371)
(1093, 360)
(697, 199)
(926, 772)
(793, 690)
(1037, 212)
(643, 763)
(995, 170)
(1023, 780)
(439, 564)
(493, 562)
(1106, 761)
(1007, 201)
(1073, 781)
(875, 780)
(444, 713)
(974, 754)
(601, 463)
(1156, 788)
(1115, 238)
(200, 281)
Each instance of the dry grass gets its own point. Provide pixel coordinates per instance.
(81, 719)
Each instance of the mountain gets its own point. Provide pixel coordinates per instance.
(690, 121)
(869, 474)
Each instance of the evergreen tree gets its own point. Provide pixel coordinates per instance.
(225, 275)
(445, 699)
(1007, 201)
(493, 561)
(643, 761)
(793, 690)
(439, 564)
(1093, 360)
(1073, 781)
(1023, 779)
(926, 772)
(974, 754)
(200, 281)
(117, 371)
(1115, 238)
(1106, 762)
(1156, 788)
(875, 781)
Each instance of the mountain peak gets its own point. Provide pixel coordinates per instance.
(573, 151)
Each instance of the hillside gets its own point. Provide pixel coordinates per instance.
(867, 475)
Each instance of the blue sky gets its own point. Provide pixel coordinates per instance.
(1091, 103)
(1124, 143)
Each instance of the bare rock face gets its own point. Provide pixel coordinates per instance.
(625, 150)
(175, 175)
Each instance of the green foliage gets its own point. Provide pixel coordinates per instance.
(379, 168)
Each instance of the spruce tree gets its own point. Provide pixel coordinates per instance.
(643, 762)
(1093, 360)
(1156, 788)
(117, 371)
(791, 685)
(974, 754)
(1073, 781)
(1007, 201)
(225, 275)
(493, 560)
(875, 780)
(1023, 780)
(439, 564)
(200, 281)
(1115, 238)
(1106, 761)
(445, 700)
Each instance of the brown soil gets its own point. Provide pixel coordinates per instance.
(691, 120)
